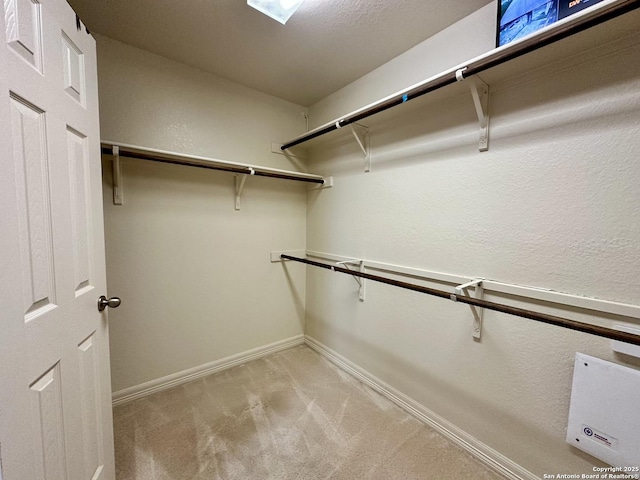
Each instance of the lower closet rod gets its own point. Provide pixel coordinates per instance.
(498, 307)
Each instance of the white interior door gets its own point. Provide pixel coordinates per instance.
(55, 395)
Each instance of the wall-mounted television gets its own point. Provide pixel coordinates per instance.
(519, 18)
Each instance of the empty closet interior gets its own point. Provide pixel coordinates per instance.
(239, 224)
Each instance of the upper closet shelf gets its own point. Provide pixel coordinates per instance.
(564, 28)
(132, 151)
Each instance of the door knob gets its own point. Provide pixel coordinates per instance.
(104, 302)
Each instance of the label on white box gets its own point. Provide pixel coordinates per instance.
(599, 437)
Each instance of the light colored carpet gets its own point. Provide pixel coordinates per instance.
(291, 415)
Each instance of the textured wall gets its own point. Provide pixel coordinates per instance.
(193, 273)
(439, 53)
(554, 204)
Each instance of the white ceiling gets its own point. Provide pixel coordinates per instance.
(326, 45)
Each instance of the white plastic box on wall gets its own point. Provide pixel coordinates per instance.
(604, 418)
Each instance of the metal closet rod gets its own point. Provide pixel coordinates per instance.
(498, 307)
(480, 64)
(131, 151)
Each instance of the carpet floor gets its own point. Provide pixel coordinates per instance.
(291, 415)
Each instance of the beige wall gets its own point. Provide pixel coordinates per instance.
(553, 204)
(441, 52)
(193, 273)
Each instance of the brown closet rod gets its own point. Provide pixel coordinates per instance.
(498, 307)
(496, 57)
(203, 164)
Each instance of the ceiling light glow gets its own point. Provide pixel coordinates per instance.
(280, 10)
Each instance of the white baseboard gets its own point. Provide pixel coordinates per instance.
(493, 459)
(147, 388)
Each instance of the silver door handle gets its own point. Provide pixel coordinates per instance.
(104, 302)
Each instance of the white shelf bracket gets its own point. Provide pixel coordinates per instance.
(361, 134)
(328, 183)
(239, 182)
(478, 312)
(480, 94)
(117, 176)
(359, 280)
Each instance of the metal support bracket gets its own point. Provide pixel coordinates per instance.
(239, 182)
(359, 280)
(361, 134)
(478, 312)
(117, 176)
(480, 94)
